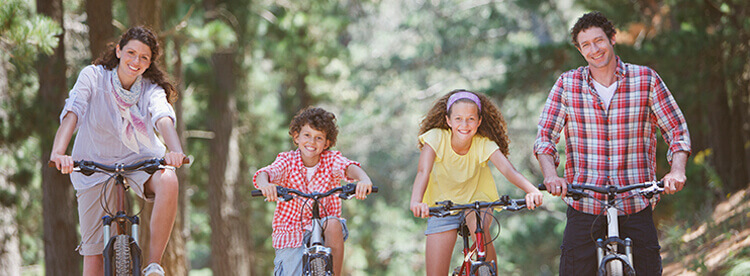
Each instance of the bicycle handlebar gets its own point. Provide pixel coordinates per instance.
(576, 190)
(347, 191)
(149, 165)
(447, 206)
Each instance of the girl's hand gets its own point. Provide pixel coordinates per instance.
(364, 187)
(174, 158)
(269, 192)
(63, 162)
(420, 210)
(534, 199)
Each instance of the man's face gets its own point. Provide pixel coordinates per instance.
(596, 47)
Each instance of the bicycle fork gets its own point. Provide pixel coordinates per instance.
(121, 219)
(608, 250)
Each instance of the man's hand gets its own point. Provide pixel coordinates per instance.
(557, 186)
(674, 182)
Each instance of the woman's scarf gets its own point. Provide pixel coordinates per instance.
(134, 128)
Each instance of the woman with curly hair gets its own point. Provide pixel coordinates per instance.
(460, 134)
(117, 105)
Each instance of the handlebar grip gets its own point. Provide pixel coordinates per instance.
(51, 164)
(256, 193)
(541, 187)
(374, 189)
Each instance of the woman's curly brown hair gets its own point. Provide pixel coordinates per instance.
(319, 119)
(110, 60)
(493, 125)
(589, 20)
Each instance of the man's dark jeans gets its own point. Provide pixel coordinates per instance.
(579, 247)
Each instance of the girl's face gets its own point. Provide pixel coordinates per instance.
(464, 119)
(311, 143)
(135, 58)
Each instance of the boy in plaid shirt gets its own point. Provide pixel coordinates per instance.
(313, 167)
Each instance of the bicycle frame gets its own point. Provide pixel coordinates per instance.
(470, 266)
(608, 256)
(316, 248)
(121, 218)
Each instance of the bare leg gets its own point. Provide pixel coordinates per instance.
(163, 184)
(486, 222)
(93, 265)
(438, 252)
(335, 240)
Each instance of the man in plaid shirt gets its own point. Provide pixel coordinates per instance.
(609, 111)
(313, 167)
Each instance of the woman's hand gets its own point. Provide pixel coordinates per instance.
(64, 163)
(534, 199)
(364, 187)
(174, 158)
(420, 210)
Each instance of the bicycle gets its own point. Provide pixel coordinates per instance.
(475, 264)
(609, 260)
(317, 259)
(122, 253)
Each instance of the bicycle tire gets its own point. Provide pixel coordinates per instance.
(123, 263)
(615, 268)
(484, 270)
(318, 266)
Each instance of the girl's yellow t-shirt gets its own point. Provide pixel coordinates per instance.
(460, 178)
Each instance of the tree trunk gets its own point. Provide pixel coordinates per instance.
(228, 252)
(175, 257)
(101, 31)
(145, 12)
(58, 198)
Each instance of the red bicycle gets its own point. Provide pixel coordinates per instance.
(475, 255)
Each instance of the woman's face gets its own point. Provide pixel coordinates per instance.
(135, 58)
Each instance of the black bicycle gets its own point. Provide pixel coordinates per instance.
(610, 261)
(122, 253)
(475, 257)
(317, 259)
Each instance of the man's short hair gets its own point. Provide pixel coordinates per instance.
(589, 20)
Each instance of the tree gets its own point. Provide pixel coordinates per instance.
(101, 31)
(58, 198)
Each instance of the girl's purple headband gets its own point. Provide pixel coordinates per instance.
(463, 95)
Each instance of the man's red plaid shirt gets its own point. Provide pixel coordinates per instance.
(290, 219)
(615, 146)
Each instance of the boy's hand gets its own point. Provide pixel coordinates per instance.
(269, 192)
(174, 158)
(364, 187)
(534, 199)
(420, 210)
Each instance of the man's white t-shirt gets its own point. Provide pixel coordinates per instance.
(606, 93)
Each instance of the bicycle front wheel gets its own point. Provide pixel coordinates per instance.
(123, 264)
(484, 270)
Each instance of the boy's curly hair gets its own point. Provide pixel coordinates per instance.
(589, 20)
(319, 119)
(493, 125)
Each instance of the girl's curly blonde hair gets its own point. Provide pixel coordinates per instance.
(493, 125)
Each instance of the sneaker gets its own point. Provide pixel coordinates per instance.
(153, 269)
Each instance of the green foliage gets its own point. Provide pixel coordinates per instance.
(25, 33)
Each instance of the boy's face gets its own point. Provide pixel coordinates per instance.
(311, 143)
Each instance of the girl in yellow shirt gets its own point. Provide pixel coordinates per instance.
(460, 134)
